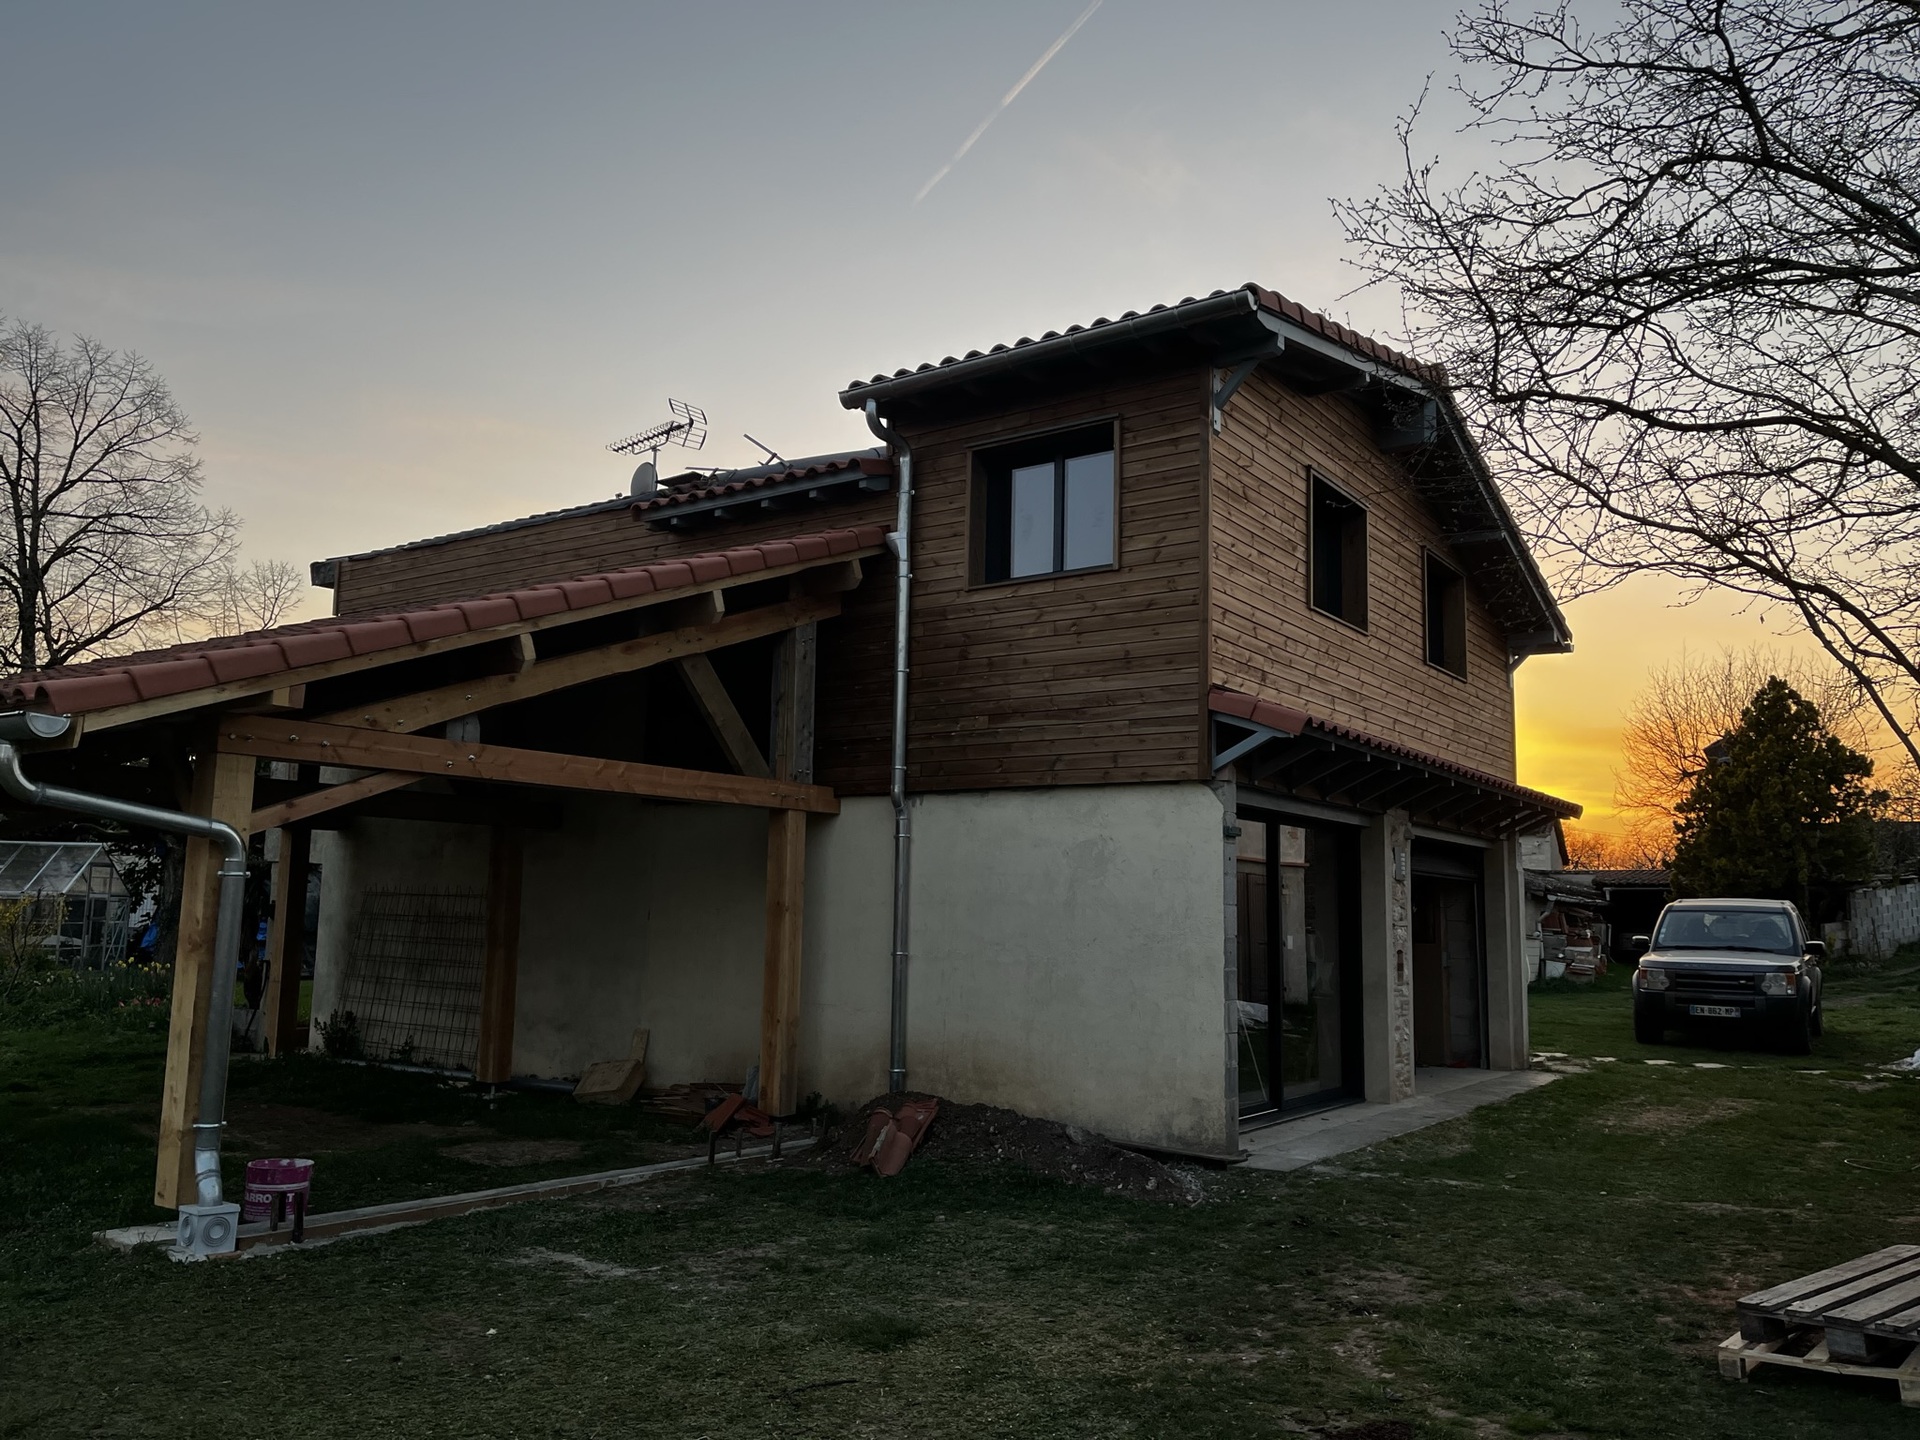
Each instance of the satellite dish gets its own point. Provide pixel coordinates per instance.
(646, 480)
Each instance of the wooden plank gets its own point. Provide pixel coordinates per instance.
(1762, 1314)
(1887, 1301)
(722, 716)
(286, 938)
(1822, 1302)
(212, 695)
(468, 697)
(500, 973)
(222, 790)
(420, 755)
(328, 797)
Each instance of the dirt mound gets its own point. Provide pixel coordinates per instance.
(986, 1133)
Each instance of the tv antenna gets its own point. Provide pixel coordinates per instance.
(687, 428)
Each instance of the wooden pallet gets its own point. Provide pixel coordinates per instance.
(1740, 1357)
(1868, 1309)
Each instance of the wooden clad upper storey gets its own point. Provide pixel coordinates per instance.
(1109, 523)
(1370, 670)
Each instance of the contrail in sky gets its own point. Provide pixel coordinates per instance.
(1007, 99)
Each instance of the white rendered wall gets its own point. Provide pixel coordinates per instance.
(382, 854)
(641, 915)
(1066, 957)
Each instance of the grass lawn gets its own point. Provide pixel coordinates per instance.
(1562, 1264)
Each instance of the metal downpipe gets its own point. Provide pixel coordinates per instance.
(226, 938)
(897, 541)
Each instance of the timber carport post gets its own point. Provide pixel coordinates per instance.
(281, 712)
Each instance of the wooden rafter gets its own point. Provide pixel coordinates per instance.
(309, 741)
(328, 797)
(543, 677)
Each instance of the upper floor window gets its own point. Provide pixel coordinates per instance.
(1446, 616)
(1046, 506)
(1337, 547)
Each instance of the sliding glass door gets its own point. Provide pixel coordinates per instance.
(1298, 993)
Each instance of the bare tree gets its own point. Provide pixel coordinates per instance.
(257, 597)
(104, 543)
(1598, 850)
(1682, 304)
(1693, 701)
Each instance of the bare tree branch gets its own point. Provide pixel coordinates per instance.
(1682, 306)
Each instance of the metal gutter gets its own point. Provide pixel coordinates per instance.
(210, 1226)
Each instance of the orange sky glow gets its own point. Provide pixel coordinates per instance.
(1569, 708)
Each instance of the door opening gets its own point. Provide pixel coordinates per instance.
(1298, 997)
(1449, 967)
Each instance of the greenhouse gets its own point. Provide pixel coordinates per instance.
(80, 904)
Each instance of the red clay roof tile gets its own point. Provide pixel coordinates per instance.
(1289, 721)
(181, 669)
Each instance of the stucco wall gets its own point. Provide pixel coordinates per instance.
(1066, 958)
(1067, 946)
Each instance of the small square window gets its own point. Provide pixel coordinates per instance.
(1446, 616)
(1337, 525)
(1046, 507)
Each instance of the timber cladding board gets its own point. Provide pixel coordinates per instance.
(1072, 679)
(1266, 639)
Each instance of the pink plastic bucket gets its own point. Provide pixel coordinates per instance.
(267, 1179)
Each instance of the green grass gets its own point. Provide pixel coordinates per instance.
(1559, 1265)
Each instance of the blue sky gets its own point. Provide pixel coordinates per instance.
(409, 268)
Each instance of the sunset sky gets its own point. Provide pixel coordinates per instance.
(410, 268)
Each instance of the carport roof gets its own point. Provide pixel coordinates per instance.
(289, 654)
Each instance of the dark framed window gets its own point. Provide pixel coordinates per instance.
(1046, 506)
(1337, 546)
(1446, 616)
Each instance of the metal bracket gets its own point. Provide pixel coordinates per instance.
(1229, 383)
(1257, 736)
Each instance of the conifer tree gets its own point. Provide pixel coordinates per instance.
(1780, 811)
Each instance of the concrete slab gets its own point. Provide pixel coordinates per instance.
(1437, 1095)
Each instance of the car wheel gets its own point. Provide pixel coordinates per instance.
(1648, 1028)
(1817, 1026)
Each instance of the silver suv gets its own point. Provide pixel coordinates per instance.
(1742, 963)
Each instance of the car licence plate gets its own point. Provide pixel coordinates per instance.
(1718, 1012)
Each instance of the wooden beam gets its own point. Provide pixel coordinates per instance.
(722, 717)
(417, 754)
(286, 938)
(223, 790)
(113, 716)
(500, 976)
(792, 744)
(468, 697)
(327, 797)
(780, 978)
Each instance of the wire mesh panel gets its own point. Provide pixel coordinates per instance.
(413, 975)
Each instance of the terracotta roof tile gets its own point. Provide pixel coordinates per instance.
(1270, 300)
(1290, 721)
(686, 492)
(200, 665)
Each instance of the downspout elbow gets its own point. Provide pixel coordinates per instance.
(210, 1118)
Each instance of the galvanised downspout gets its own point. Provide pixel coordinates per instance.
(902, 822)
(211, 1226)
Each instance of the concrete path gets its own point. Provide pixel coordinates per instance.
(1437, 1095)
